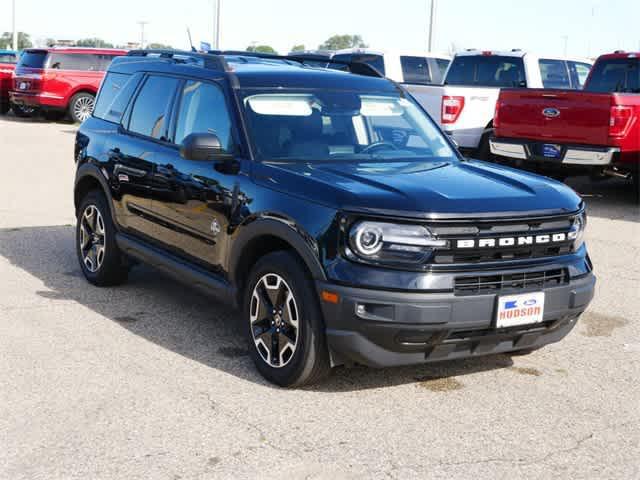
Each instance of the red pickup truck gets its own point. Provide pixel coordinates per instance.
(595, 131)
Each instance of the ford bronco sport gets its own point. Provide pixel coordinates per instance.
(328, 208)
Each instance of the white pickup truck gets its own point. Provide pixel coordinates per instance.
(415, 67)
(464, 106)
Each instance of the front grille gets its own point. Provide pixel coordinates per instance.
(495, 230)
(484, 284)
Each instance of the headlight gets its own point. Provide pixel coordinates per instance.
(390, 243)
(577, 230)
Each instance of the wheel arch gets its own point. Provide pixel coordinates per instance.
(80, 89)
(266, 235)
(88, 178)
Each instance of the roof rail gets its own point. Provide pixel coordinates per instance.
(358, 68)
(209, 60)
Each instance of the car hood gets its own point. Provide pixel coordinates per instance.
(421, 189)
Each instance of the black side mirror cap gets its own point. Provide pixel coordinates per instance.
(203, 147)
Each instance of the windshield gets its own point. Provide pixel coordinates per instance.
(339, 125)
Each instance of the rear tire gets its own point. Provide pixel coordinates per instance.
(4, 108)
(81, 106)
(484, 149)
(23, 112)
(283, 322)
(101, 261)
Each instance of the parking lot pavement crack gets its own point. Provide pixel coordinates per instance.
(523, 461)
(262, 435)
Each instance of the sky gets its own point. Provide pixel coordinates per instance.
(591, 27)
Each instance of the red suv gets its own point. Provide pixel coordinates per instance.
(8, 61)
(58, 80)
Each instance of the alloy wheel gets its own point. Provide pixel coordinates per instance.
(83, 107)
(92, 238)
(275, 320)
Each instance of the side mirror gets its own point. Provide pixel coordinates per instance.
(203, 147)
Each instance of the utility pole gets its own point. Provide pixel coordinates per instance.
(432, 18)
(566, 42)
(216, 23)
(15, 32)
(142, 24)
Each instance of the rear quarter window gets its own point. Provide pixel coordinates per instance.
(487, 71)
(114, 96)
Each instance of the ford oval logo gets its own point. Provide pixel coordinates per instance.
(530, 303)
(551, 112)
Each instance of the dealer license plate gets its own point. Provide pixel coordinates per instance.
(551, 151)
(523, 309)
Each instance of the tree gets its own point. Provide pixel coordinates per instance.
(93, 42)
(338, 42)
(261, 49)
(298, 48)
(24, 40)
(159, 46)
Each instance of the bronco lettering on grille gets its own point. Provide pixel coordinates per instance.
(512, 241)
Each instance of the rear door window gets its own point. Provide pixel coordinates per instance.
(554, 73)
(415, 70)
(487, 71)
(620, 75)
(149, 116)
(33, 59)
(114, 96)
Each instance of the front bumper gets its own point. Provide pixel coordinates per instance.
(386, 328)
(580, 155)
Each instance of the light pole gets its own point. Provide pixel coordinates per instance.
(432, 17)
(216, 23)
(142, 24)
(15, 32)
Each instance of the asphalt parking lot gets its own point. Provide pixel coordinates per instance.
(150, 380)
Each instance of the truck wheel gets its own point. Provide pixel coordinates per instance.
(4, 108)
(283, 322)
(23, 112)
(636, 185)
(81, 106)
(484, 149)
(100, 258)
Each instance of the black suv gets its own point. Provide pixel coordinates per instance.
(326, 206)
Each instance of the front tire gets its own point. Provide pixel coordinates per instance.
(81, 106)
(101, 260)
(283, 322)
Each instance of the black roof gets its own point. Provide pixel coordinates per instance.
(251, 71)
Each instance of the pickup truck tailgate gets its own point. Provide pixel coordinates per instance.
(570, 116)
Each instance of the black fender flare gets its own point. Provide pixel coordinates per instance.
(89, 170)
(283, 229)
